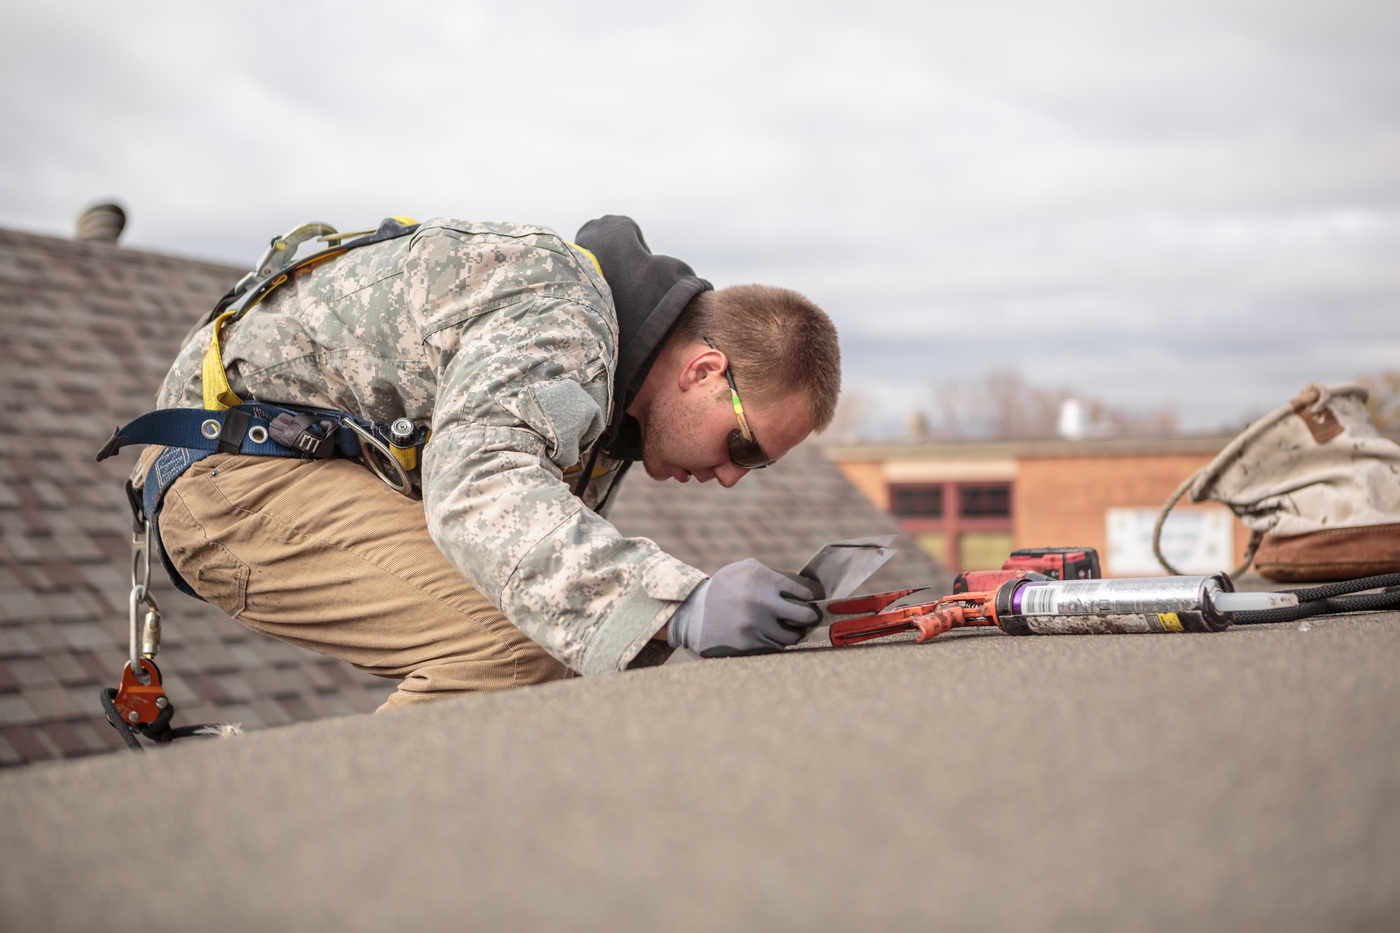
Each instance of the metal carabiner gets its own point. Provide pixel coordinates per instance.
(138, 597)
(378, 455)
(141, 556)
(282, 249)
(140, 594)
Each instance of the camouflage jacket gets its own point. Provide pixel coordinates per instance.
(504, 339)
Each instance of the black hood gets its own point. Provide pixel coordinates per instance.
(649, 293)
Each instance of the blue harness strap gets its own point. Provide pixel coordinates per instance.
(244, 429)
(168, 466)
(191, 434)
(260, 429)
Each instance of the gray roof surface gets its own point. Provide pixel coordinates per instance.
(1243, 780)
(87, 331)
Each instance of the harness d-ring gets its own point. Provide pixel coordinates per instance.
(378, 455)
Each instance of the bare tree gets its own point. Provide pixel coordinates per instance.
(1113, 420)
(1002, 405)
(855, 408)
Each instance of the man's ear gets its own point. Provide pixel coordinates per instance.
(701, 366)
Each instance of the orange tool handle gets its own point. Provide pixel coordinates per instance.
(930, 619)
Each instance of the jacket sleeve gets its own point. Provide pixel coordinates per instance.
(524, 390)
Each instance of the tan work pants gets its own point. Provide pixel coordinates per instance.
(324, 555)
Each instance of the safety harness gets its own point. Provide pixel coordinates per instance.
(228, 424)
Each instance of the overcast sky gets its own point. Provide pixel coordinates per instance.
(1184, 202)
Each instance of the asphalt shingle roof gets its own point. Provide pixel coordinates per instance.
(87, 331)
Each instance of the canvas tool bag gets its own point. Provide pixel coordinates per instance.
(1316, 484)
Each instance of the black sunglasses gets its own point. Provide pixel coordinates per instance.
(743, 447)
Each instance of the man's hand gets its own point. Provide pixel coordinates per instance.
(745, 608)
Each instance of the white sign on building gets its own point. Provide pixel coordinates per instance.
(1194, 540)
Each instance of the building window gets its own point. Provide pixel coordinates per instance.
(963, 525)
(985, 500)
(918, 501)
(982, 550)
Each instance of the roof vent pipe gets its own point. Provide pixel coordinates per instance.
(102, 222)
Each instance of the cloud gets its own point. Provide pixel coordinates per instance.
(1193, 201)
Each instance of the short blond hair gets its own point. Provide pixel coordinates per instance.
(779, 343)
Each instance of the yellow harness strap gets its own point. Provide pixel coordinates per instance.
(218, 394)
(593, 258)
(573, 472)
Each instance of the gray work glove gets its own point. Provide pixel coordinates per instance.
(745, 608)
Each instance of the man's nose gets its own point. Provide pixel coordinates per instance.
(729, 474)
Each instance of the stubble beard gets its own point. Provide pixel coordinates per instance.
(662, 426)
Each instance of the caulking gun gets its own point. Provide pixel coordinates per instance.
(1025, 602)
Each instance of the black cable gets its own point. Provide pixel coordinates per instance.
(158, 731)
(1343, 596)
(1328, 590)
(213, 729)
(115, 718)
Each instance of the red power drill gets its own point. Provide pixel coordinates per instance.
(1057, 563)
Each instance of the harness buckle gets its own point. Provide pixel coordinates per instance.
(300, 433)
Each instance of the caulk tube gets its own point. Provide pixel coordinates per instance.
(1094, 607)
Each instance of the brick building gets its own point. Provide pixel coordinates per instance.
(969, 503)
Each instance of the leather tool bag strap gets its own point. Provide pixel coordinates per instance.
(1316, 484)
